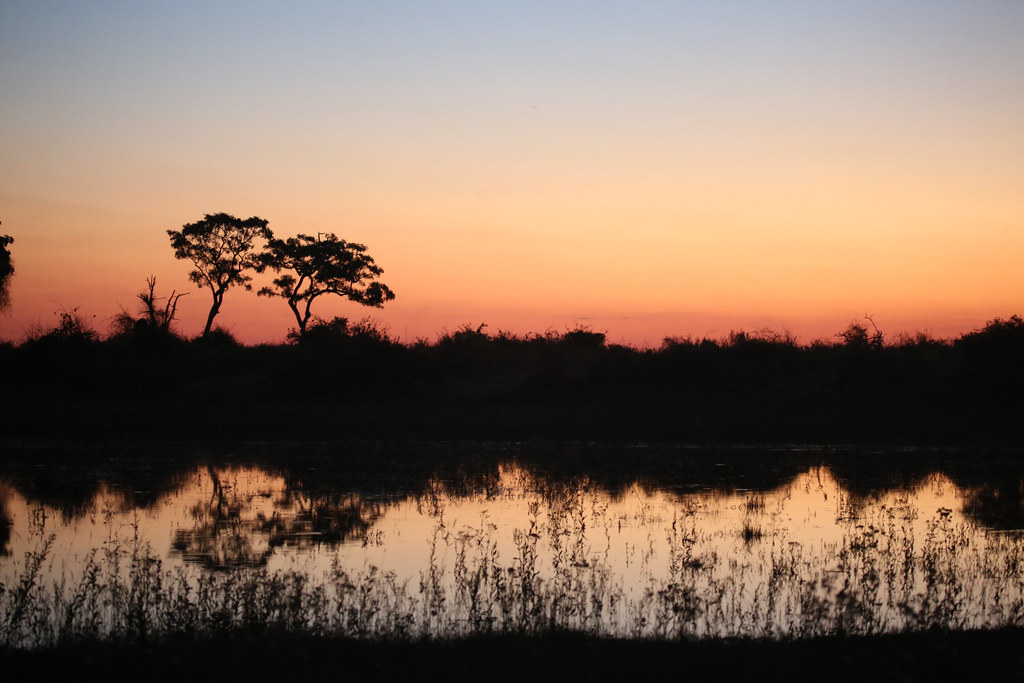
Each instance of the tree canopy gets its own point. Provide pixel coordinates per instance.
(222, 248)
(6, 271)
(326, 264)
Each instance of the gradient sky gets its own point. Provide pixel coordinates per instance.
(644, 168)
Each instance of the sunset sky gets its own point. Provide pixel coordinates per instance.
(644, 168)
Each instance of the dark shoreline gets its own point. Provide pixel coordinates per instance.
(470, 386)
(932, 655)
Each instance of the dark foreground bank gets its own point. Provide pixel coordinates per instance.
(975, 655)
(471, 385)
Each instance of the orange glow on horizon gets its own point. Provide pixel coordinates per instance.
(673, 278)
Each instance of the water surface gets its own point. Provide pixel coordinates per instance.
(692, 543)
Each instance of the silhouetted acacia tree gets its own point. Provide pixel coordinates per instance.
(222, 248)
(323, 265)
(6, 271)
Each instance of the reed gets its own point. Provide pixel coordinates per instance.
(880, 578)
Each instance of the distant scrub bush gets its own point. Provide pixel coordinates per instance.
(466, 335)
(584, 337)
(998, 334)
(858, 336)
(320, 331)
(72, 328)
(338, 332)
(688, 342)
(919, 340)
(218, 336)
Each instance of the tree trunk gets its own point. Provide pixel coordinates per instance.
(298, 318)
(214, 310)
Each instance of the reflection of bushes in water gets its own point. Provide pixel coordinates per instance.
(998, 505)
(71, 481)
(330, 482)
(878, 578)
(384, 472)
(387, 472)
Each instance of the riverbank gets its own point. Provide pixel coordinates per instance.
(972, 655)
(746, 389)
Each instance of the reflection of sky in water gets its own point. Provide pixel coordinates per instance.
(736, 545)
(628, 528)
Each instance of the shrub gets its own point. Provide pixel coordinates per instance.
(72, 328)
(218, 336)
(997, 335)
(857, 336)
(584, 337)
(337, 331)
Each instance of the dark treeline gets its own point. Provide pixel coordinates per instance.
(340, 380)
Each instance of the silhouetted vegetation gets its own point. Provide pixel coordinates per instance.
(153, 321)
(222, 248)
(72, 330)
(343, 379)
(322, 265)
(6, 271)
(335, 378)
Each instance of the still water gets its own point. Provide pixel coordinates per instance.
(624, 542)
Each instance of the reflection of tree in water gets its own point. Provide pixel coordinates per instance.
(997, 505)
(5, 519)
(314, 520)
(222, 536)
(240, 525)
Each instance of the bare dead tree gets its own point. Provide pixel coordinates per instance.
(159, 318)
